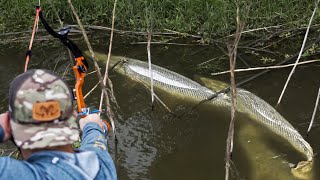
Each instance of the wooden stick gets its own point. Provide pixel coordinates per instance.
(123, 31)
(92, 89)
(165, 43)
(314, 112)
(155, 95)
(150, 69)
(184, 34)
(258, 29)
(95, 61)
(302, 47)
(232, 58)
(267, 67)
(106, 75)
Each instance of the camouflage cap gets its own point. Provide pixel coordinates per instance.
(41, 111)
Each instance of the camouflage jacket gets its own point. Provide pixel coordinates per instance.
(91, 161)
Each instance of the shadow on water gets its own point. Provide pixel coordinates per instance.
(156, 145)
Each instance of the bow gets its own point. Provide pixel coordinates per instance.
(80, 68)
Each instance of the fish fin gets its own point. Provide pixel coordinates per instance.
(303, 170)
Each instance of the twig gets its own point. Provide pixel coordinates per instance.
(56, 12)
(314, 112)
(166, 43)
(207, 61)
(103, 87)
(106, 76)
(302, 47)
(149, 23)
(92, 72)
(119, 158)
(123, 31)
(112, 96)
(257, 49)
(267, 67)
(232, 57)
(184, 34)
(156, 96)
(12, 152)
(150, 69)
(258, 29)
(92, 89)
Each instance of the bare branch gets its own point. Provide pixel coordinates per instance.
(302, 47)
(314, 112)
(267, 67)
(232, 57)
(150, 70)
(106, 75)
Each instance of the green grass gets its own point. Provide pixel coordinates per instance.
(209, 18)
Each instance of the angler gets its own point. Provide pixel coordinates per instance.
(42, 123)
(248, 103)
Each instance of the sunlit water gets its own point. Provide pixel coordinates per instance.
(153, 144)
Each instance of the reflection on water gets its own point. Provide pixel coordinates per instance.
(156, 145)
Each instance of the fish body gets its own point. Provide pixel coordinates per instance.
(247, 102)
(169, 81)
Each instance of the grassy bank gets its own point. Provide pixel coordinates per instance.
(208, 18)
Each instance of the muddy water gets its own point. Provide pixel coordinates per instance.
(155, 145)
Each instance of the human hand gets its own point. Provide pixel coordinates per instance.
(91, 118)
(5, 124)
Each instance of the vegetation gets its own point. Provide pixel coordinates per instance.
(210, 18)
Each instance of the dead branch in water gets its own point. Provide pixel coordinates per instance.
(103, 87)
(149, 17)
(232, 58)
(150, 69)
(266, 67)
(314, 112)
(300, 53)
(155, 95)
(106, 75)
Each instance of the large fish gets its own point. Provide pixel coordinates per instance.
(248, 103)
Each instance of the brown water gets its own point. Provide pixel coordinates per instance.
(156, 145)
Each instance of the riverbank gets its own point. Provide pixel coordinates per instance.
(204, 18)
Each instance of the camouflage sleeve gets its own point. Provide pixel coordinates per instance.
(93, 138)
